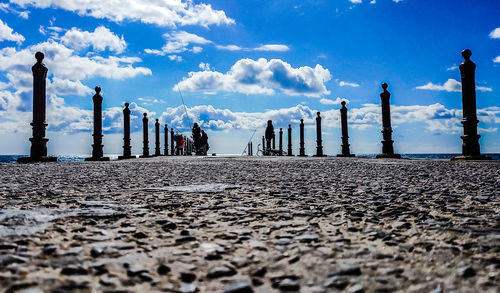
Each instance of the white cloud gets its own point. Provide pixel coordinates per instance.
(8, 34)
(178, 42)
(451, 68)
(350, 84)
(175, 58)
(204, 66)
(355, 1)
(261, 77)
(495, 34)
(451, 85)
(170, 13)
(100, 39)
(229, 47)
(337, 101)
(273, 48)
(373, 1)
(64, 87)
(497, 59)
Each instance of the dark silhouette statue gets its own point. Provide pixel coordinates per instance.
(145, 140)
(269, 136)
(157, 138)
(38, 151)
(172, 144)
(319, 141)
(166, 140)
(470, 144)
(289, 152)
(302, 150)
(345, 136)
(127, 149)
(97, 152)
(196, 133)
(280, 152)
(387, 143)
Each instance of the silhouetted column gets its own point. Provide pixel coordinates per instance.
(127, 153)
(281, 143)
(302, 150)
(263, 146)
(166, 140)
(185, 146)
(470, 139)
(274, 141)
(387, 143)
(319, 141)
(157, 138)
(345, 135)
(38, 151)
(97, 153)
(289, 152)
(172, 146)
(251, 148)
(145, 134)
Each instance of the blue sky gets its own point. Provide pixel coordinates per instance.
(240, 63)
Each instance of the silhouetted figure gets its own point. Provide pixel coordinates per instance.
(470, 144)
(165, 129)
(319, 141)
(204, 143)
(345, 136)
(269, 136)
(145, 134)
(38, 151)
(97, 153)
(172, 139)
(387, 143)
(289, 153)
(127, 153)
(179, 144)
(302, 150)
(280, 152)
(196, 133)
(157, 138)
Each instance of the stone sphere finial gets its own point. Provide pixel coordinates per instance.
(97, 89)
(318, 113)
(466, 54)
(126, 105)
(145, 114)
(301, 120)
(384, 86)
(157, 119)
(342, 103)
(39, 56)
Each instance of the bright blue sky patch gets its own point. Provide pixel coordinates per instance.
(240, 63)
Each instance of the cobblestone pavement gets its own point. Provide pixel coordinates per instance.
(250, 225)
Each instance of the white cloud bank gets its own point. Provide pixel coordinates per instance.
(169, 13)
(451, 85)
(260, 76)
(8, 34)
(100, 39)
(337, 101)
(178, 42)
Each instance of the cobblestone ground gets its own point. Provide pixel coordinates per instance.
(250, 225)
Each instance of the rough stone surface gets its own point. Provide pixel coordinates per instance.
(287, 224)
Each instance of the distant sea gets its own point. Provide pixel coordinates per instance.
(80, 158)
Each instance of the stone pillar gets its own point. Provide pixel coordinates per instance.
(289, 152)
(157, 138)
(38, 151)
(470, 139)
(319, 142)
(166, 140)
(274, 141)
(97, 153)
(387, 143)
(127, 153)
(251, 148)
(263, 146)
(145, 134)
(302, 150)
(172, 145)
(345, 135)
(281, 143)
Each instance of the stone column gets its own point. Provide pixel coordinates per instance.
(289, 152)
(345, 135)
(166, 140)
(274, 141)
(126, 135)
(145, 134)
(38, 151)
(470, 139)
(302, 150)
(172, 146)
(387, 143)
(157, 138)
(97, 153)
(281, 142)
(319, 142)
(251, 148)
(263, 146)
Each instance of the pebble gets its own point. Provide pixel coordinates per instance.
(239, 287)
(222, 271)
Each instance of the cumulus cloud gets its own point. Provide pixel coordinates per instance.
(349, 84)
(273, 48)
(8, 34)
(261, 77)
(497, 59)
(65, 87)
(100, 39)
(451, 85)
(169, 13)
(178, 42)
(337, 101)
(495, 34)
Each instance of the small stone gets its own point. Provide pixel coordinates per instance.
(163, 269)
(401, 225)
(307, 238)
(338, 282)
(7, 245)
(49, 249)
(73, 270)
(358, 288)
(140, 235)
(96, 252)
(222, 271)
(466, 272)
(346, 271)
(185, 233)
(239, 287)
(289, 285)
(146, 277)
(260, 272)
(188, 277)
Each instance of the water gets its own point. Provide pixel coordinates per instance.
(80, 158)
